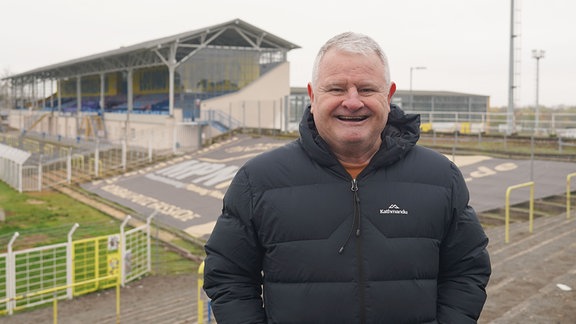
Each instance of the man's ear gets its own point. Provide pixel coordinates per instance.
(311, 95)
(392, 91)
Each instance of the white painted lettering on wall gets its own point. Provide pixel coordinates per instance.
(152, 203)
(202, 173)
(260, 147)
(483, 171)
(509, 166)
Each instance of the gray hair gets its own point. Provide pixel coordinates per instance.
(351, 43)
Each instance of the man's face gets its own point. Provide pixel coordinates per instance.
(350, 101)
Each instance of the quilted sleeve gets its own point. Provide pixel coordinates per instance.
(464, 262)
(233, 264)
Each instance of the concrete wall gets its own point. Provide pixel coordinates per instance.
(262, 104)
(159, 132)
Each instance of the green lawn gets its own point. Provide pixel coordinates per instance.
(43, 218)
(47, 217)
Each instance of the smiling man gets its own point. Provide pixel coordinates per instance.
(353, 222)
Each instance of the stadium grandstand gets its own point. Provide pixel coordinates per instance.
(223, 74)
(178, 92)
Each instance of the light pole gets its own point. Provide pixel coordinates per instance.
(412, 68)
(537, 54)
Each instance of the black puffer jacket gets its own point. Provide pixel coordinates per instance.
(399, 244)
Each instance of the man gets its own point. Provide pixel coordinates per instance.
(353, 222)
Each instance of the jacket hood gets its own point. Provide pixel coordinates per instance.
(401, 133)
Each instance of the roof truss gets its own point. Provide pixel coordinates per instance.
(174, 50)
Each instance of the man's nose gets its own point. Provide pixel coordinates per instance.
(352, 100)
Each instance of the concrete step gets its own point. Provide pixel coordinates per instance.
(548, 305)
(518, 231)
(524, 268)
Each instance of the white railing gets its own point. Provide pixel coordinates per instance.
(558, 124)
(34, 276)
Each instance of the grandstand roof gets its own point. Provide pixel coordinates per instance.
(232, 34)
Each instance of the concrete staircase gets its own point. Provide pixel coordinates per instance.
(527, 270)
(523, 287)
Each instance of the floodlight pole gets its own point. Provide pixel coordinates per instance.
(537, 54)
(412, 68)
(511, 79)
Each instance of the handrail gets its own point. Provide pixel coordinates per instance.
(531, 217)
(568, 177)
(223, 118)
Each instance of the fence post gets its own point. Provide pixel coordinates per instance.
(20, 176)
(124, 152)
(40, 173)
(11, 276)
(97, 158)
(123, 249)
(69, 167)
(69, 263)
(175, 143)
(148, 241)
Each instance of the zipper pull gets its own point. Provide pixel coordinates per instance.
(354, 189)
(355, 229)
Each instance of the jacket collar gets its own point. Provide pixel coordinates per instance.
(401, 133)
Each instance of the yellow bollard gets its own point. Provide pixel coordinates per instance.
(118, 282)
(55, 308)
(200, 299)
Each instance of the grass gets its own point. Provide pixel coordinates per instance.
(44, 218)
(47, 218)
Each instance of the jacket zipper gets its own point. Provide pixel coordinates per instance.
(356, 225)
(359, 254)
(354, 189)
(356, 222)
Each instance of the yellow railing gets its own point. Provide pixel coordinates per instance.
(64, 287)
(96, 170)
(531, 226)
(568, 177)
(94, 258)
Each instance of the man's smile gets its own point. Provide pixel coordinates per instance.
(352, 118)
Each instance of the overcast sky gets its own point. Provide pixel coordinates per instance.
(464, 44)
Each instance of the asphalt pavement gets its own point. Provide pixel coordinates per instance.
(187, 191)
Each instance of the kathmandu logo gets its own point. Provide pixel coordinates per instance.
(394, 209)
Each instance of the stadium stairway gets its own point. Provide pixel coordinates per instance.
(532, 274)
(523, 287)
(528, 275)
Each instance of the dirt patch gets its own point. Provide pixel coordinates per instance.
(35, 202)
